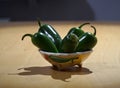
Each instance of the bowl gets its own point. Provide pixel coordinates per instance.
(62, 61)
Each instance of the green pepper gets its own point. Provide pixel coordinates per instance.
(42, 41)
(51, 33)
(77, 30)
(87, 41)
(69, 43)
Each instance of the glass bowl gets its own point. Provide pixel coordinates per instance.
(62, 61)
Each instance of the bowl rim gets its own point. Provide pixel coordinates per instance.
(75, 53)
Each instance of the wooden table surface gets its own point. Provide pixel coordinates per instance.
(22, 66)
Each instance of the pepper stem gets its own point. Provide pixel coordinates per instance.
(30, 35)
(83, 25)
(94, 30)
(39, 23)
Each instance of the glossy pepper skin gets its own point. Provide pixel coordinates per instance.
(51, 33)
(69, 43)
(77, 30)
(87, 41)
(41, 41)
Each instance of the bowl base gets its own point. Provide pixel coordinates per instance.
(78, 66)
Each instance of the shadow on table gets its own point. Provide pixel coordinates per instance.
(48, 70)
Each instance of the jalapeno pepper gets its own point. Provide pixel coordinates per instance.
(51, 33)
(42, 41)
(77, 30)
(87, 41)
(69, 43)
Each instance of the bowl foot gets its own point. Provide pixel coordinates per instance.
(80, 65)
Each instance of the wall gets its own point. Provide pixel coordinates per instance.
(92, 10)
(106, 10)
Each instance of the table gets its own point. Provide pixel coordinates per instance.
(22, 66)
